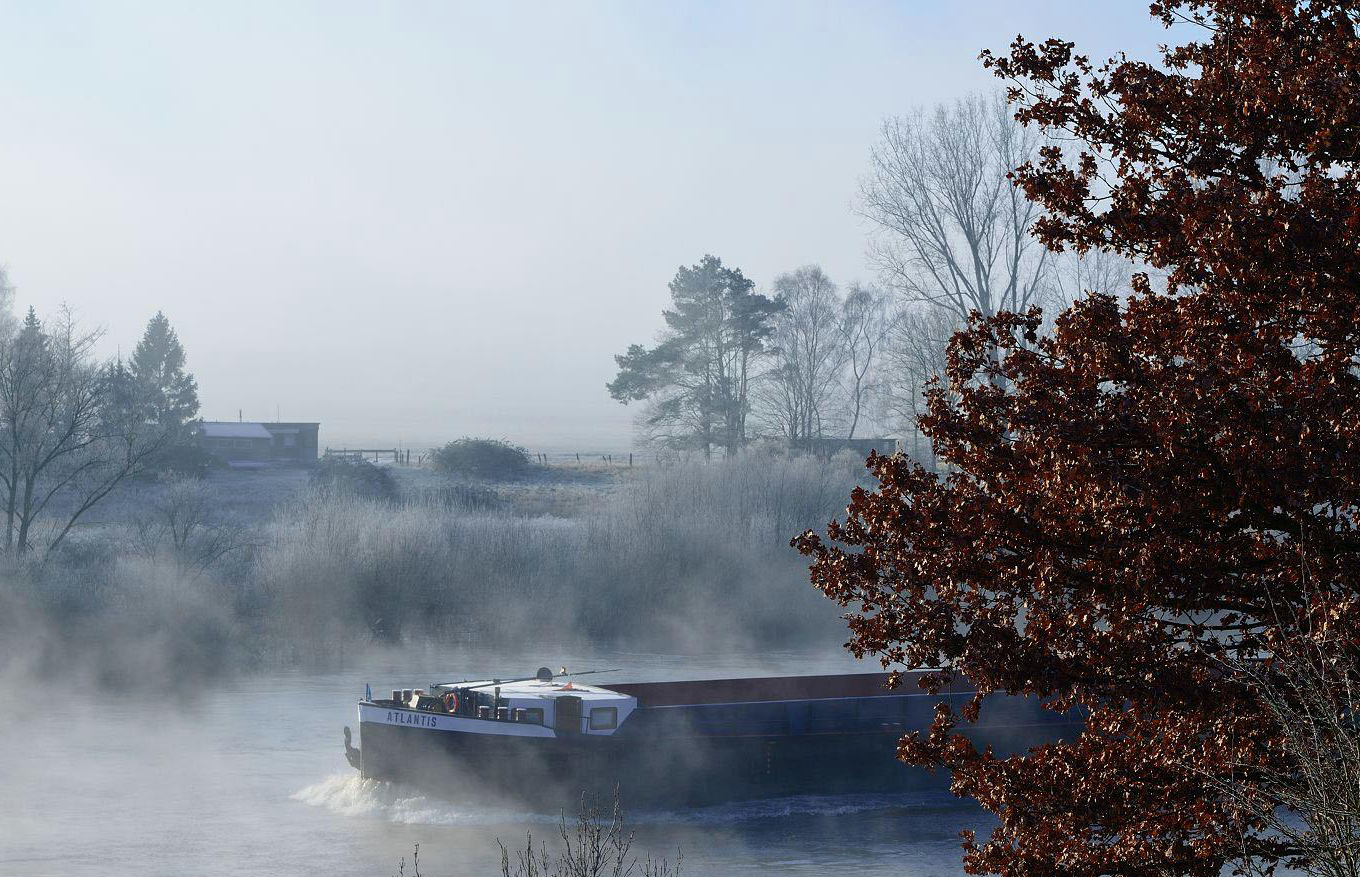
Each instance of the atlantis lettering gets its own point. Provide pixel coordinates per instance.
(396, 717)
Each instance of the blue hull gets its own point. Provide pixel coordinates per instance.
(746, 739)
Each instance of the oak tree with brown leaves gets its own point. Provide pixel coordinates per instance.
(1135, 500)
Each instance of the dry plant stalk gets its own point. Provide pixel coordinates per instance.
(598, 845)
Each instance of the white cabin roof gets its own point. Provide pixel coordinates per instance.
(549, 690)
(229, 429)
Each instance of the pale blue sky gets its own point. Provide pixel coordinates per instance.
(417, 220)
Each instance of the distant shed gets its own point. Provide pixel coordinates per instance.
(248, 443)
(860, 447)
(295, 442)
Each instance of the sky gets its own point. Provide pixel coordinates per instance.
(416, 221)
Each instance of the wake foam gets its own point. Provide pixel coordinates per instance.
(352, 795)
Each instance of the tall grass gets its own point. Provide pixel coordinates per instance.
(687, 555)
(691, 556)
(387, 572)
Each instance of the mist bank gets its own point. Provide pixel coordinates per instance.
(191, 581)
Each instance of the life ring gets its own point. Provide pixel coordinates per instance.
(451, 701)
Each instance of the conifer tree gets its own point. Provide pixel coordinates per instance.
(169, 393)
(697, 379)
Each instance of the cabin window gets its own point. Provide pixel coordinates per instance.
(534, 716)
(604, 718)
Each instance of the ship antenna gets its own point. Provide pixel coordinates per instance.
(537, 676)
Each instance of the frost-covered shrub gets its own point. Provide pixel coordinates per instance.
(490, 459)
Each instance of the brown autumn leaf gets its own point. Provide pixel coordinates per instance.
(1158, 480)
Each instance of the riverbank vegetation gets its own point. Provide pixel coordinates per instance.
(481, 458)
(598, 844)
(238, 569)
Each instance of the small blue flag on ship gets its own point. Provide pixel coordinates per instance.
(368, 692)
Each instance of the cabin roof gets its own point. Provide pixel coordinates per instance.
(550, 690)
(229, 429)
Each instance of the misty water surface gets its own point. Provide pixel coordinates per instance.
(249, 777)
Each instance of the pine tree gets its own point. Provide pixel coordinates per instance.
(169, 393)
(697, 378)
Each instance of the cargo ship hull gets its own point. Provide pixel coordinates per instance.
(693, 743)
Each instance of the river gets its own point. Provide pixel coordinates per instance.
(249, 777)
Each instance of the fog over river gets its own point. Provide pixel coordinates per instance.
(249, 777)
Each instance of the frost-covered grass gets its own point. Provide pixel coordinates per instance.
(685, 556)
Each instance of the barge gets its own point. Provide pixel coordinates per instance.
(550, 738)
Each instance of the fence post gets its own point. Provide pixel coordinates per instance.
(630, 461)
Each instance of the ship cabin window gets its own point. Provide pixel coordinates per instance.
(533, 716)
(604, 718)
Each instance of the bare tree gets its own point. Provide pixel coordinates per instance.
(1076, 274)
(914, 355)
(181, 521)
(951, 234)
(8, 325)
(864, 329)
(951, 231)
(800, 387)
(71, 429)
